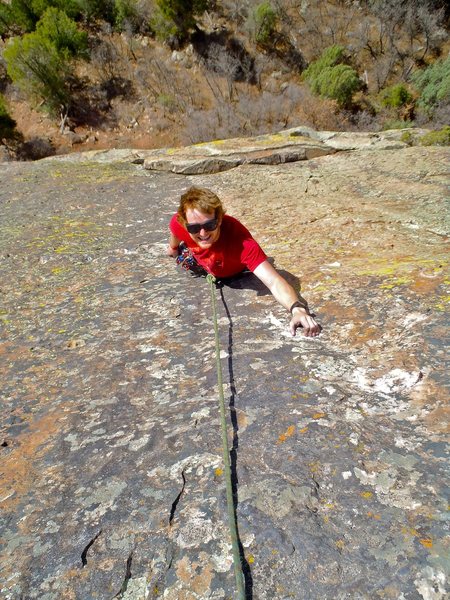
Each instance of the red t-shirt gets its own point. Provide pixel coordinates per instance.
(234, 251)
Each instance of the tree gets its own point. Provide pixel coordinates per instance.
(42, 72)
(329, 77)
(265, 21)
(23, 14)
(338, 83)
(56, 27)
(5, 18)
(329, 58)
(126, 13)
(396, 96)
(96, 9)
(41, 62)
(70, 7)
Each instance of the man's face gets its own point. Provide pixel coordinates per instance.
(203, 238)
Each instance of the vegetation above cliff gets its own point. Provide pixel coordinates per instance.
(145, 73)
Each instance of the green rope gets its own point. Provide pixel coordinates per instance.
(226, 456)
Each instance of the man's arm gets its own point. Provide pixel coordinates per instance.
(286, 296)
(172, 247)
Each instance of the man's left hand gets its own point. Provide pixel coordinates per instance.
(302, 319)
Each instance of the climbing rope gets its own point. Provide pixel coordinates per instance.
(239, 575)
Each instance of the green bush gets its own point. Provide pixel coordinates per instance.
(330, 57)
(440, 137)
(265, 21)
(40, 63)
(180, 15)
(56, 27)
(70, 7)
(433, 84)
(23, 14)
(96, 9)
(328, 77)
(40, 70)
(162, 27)
(407, 138)
(338, 83)
(396, 96)
(397, 124)
(7, 123)
(6, 18)
(126, 12)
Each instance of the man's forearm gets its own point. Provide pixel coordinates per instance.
(285, 294)
(174, 242)
(172, 248)
(281, 290)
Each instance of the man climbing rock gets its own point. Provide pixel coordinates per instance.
(203, 236)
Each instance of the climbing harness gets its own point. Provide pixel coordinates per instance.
(187, 261)
(185, 258)
(239, 575)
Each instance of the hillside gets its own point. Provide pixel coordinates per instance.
(147, 74)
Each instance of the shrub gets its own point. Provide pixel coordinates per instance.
(96, 9)
(42, 72)
(396, 124)
(5, 18)
(433, 83)
(163, 28)
(56, 27)
(126, 13)
(40, 62)
(407, 138)
(396, 96)
(328, 77)
(330, 57)
(440, 137)
(180, 15)
(338, 83)
(23, 14)
(70, 7)
(265, 21)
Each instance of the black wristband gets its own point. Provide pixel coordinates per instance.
(297, 304)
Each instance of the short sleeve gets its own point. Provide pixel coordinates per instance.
(252, 254)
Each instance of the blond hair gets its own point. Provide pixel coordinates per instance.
(201, 199)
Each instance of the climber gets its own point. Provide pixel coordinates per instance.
(205, 239)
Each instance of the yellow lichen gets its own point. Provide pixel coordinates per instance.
(366, 495)
(374, 515)
(395, 282)
(287, 434)
(319, 415)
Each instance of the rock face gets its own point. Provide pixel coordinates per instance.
(111, 482)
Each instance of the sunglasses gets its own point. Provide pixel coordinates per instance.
(197, 227)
